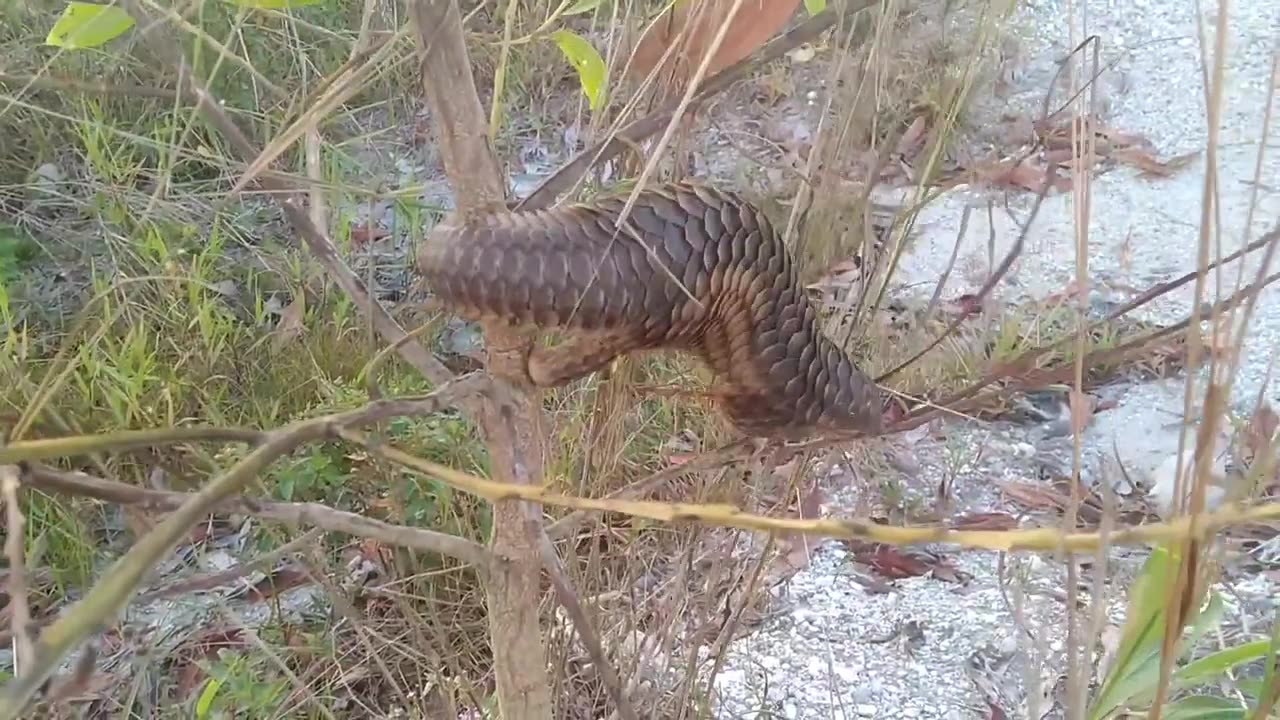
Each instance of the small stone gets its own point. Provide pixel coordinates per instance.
(866, 710)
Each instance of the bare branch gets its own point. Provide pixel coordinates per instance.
(295, 514)
(44, 449)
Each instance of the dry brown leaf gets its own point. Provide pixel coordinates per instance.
(985, 521)
(754, 24)
(1033, 497)
(366, 233)
(895, 563)
(913, 138)
(1030, 174)
(1149, 165)
(290, 326)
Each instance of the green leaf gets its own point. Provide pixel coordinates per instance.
(274, 4)
(582, 6)
(205, 702)
(1137, 663)
(85, 25)
(815, 6)
(1214, 665)
(1204, 707)
(586, 61)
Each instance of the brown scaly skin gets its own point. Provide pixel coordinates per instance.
(752, 323)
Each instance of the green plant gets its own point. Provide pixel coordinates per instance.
(239, 684)
(1133, 678)
(17, 252)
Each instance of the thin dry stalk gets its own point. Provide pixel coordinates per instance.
(590, 638)
(1083, 153)
(987, 286)
(20, 609)
(1188, 582)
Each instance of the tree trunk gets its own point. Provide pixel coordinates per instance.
(511, 418)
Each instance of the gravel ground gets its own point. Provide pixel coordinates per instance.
(819, 660)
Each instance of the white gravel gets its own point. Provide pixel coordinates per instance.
(814, 661)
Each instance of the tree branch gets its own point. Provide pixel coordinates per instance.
(288, 513)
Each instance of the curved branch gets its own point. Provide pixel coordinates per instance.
(295, 514)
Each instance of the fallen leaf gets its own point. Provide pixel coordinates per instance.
(912, 138)
(755, 22)
(290, 326)
(1149, 165)
(985, 521)
(1029, 174)
(897, 563)
(1033, 497)
(366, 233)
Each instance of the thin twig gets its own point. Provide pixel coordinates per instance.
(20, 609)
(296, 514)
(710, 460)
(990, 283)
(212, 580)
(951, 262)
(569, 601)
